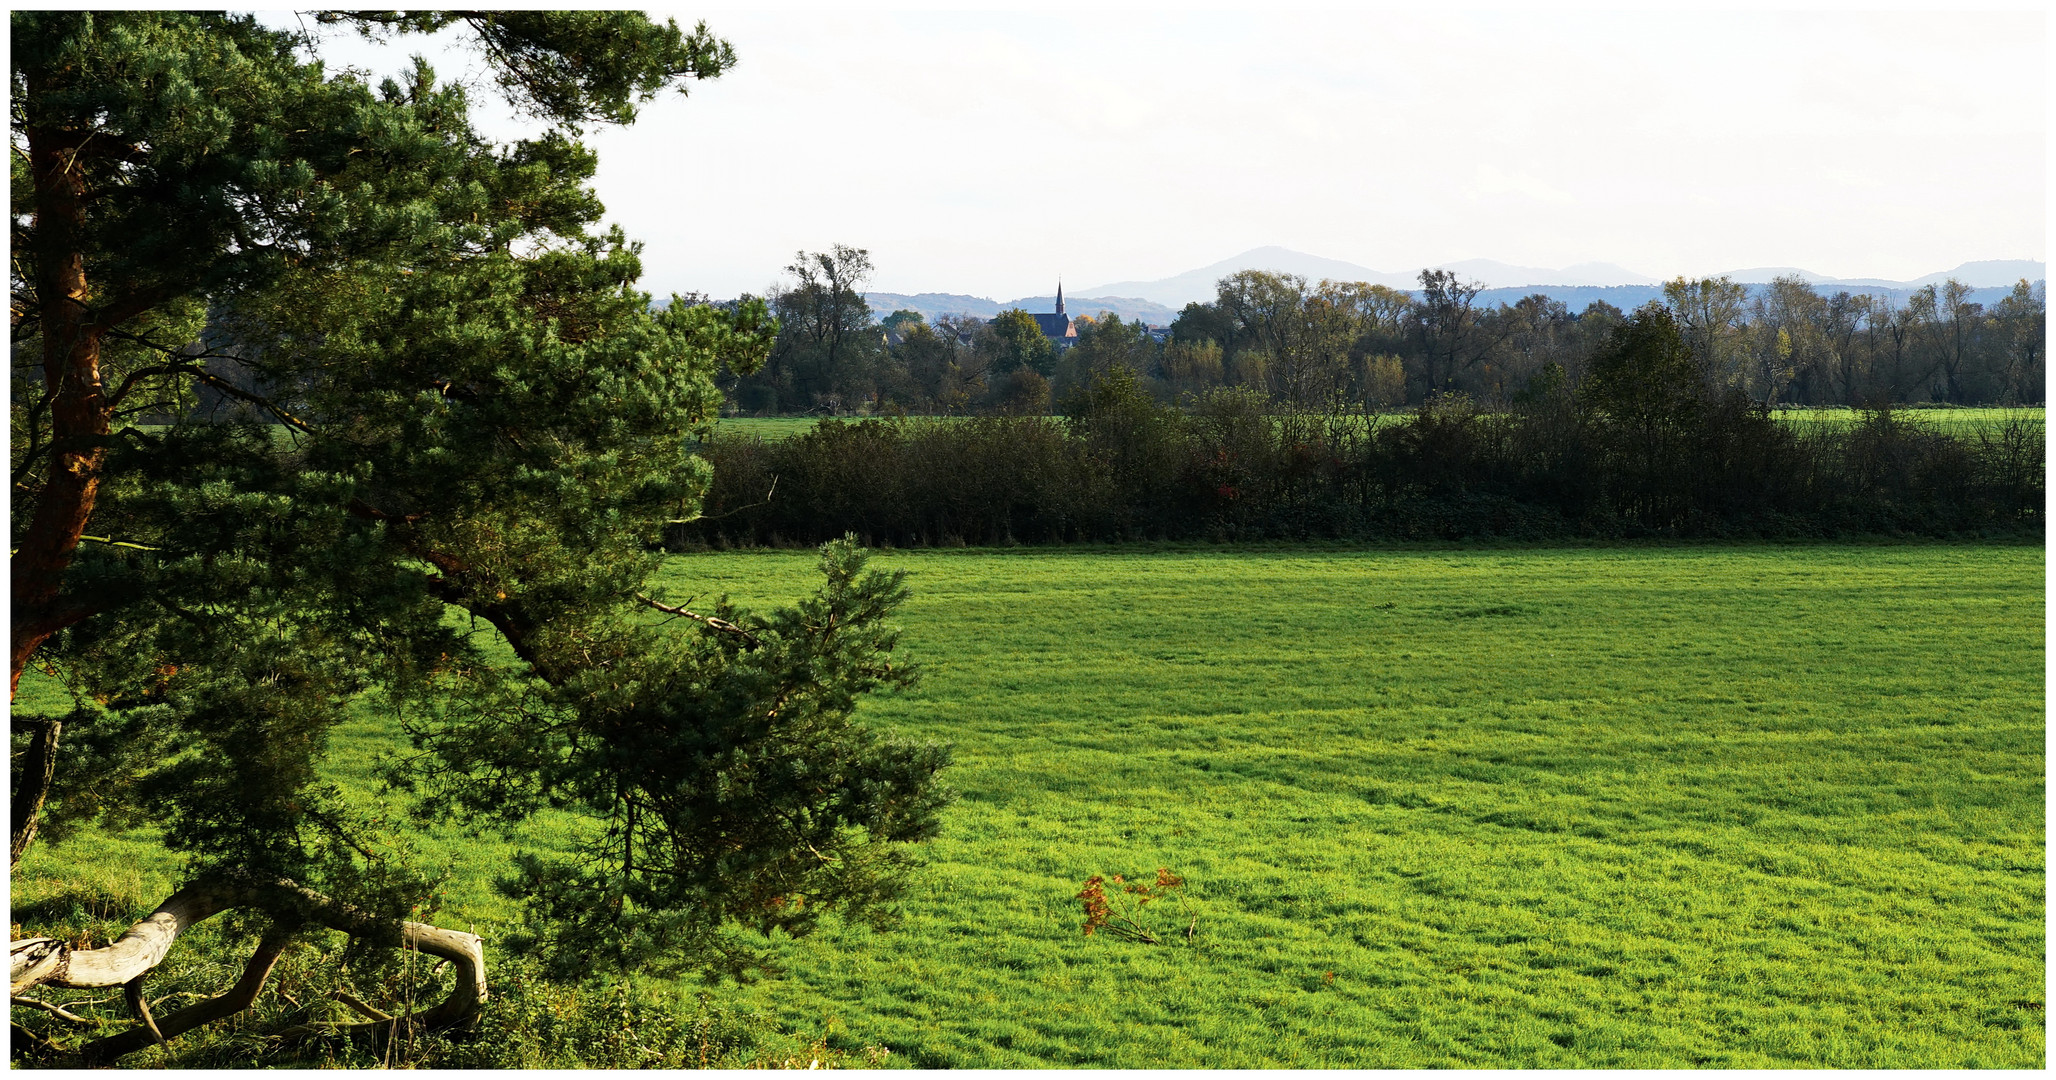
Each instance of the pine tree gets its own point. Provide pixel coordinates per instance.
(304, 366)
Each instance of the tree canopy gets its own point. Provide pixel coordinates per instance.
(303, 367)
(1020, 343)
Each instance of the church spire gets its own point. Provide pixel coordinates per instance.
(1060, 297)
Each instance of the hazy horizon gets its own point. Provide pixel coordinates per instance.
(990, 154)
(1982, 274)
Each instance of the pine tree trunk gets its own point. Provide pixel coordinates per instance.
(38, 766)
(78, 407)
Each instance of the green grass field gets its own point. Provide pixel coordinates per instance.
(1769, 806)
(1959, 422)
(767, 428)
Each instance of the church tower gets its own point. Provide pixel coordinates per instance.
(1058, 326)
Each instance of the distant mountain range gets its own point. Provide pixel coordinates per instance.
(1159, 301)
(1629, 297)
(1181, 289)
(1984, 274)
(1176, 291)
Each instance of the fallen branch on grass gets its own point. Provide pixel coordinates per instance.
(36, 962)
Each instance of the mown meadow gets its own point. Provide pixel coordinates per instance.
(1962, 422)
(1651, 806)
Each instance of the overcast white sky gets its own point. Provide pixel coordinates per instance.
(987, 152)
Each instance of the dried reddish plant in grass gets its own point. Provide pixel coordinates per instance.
(1125, 922)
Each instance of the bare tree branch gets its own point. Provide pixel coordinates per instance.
(132, 991)
(57, 1011)
(238, 998)
(38, 961)
(765, 501)
(262, 402)
(360, 1007)
(44, 1047)
(710, 621)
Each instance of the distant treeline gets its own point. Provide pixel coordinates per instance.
(1646, 444)
(1332, 344)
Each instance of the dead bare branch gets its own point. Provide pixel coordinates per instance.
(43, 1046)
(360, 1007)
(238, 998)
(57, 1011)
(711, 622)
(38, 961)
(733, 510)
(138, 1004)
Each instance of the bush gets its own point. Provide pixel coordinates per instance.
(1120, 466)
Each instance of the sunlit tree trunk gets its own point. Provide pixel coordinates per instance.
(78, 412)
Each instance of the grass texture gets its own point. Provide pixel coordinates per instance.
(1658, 807)
(1650, 806)
(1959, 422)
(767, 428)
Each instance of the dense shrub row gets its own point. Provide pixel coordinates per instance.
(1562, 465)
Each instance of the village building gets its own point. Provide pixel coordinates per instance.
(1057, 326)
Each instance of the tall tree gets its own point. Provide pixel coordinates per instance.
(1105, 343)
(1846, 368)
(1343, 320)
(965, 366)
(1948, 324)
(1788, 338)
(1448, 328)
(1017, 342)
(1303, 335)
(2021, 322)
(1710, 313)
(450, 398)
(1537, 334)
(162, 160)
(826, 348)
(1198, 322)
(1649, 392)
(1191, 367)
(1262, 309)
(1889, 352)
